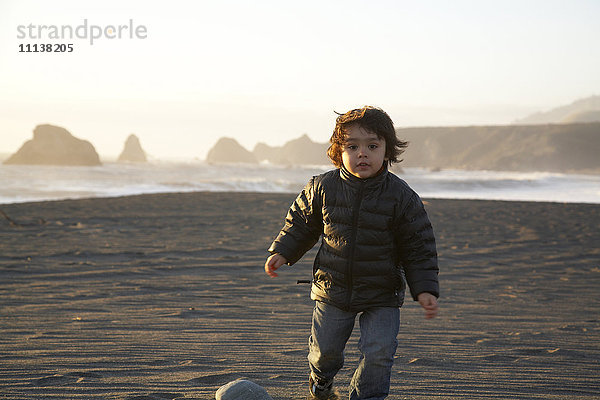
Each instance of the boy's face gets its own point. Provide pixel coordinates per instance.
(363, 152)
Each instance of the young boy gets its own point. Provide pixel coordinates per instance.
(376, 236)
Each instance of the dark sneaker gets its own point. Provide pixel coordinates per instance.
(320, 390)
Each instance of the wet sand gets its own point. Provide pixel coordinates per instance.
(164, 297)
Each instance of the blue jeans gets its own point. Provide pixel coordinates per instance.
(331, 329)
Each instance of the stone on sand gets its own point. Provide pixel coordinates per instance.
(242, 390)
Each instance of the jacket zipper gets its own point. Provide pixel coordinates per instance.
(354, 234)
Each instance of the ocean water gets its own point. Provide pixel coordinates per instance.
(37, 183)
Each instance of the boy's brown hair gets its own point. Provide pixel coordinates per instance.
(371, 119)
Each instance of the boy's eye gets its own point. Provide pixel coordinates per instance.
(373, 146)
(352, 147)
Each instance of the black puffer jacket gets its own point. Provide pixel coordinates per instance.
(375, 236)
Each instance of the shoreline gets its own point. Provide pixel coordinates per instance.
(36, 184)
(258, 193)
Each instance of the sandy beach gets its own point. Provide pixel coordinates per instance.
(164, 297)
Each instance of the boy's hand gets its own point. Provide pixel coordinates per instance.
(273, 262)
(429, 304)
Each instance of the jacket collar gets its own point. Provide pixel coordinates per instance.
(357, 182)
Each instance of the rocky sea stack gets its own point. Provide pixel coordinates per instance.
(53, 145)
(301, 151)
(228, 150)
(132, 152)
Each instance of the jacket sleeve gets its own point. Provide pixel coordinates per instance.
(417, 251)
(303, 226)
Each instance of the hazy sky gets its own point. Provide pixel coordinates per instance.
(272, 70)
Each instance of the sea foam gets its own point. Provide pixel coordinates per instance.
(38, 183)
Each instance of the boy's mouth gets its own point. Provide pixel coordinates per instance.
(363, 164)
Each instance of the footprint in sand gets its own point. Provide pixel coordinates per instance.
(68, 379)
(55, 380)
(422, 361)
(85, 374)
(212, 379)
(294, 352)
(157, 396)
(500, 358)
